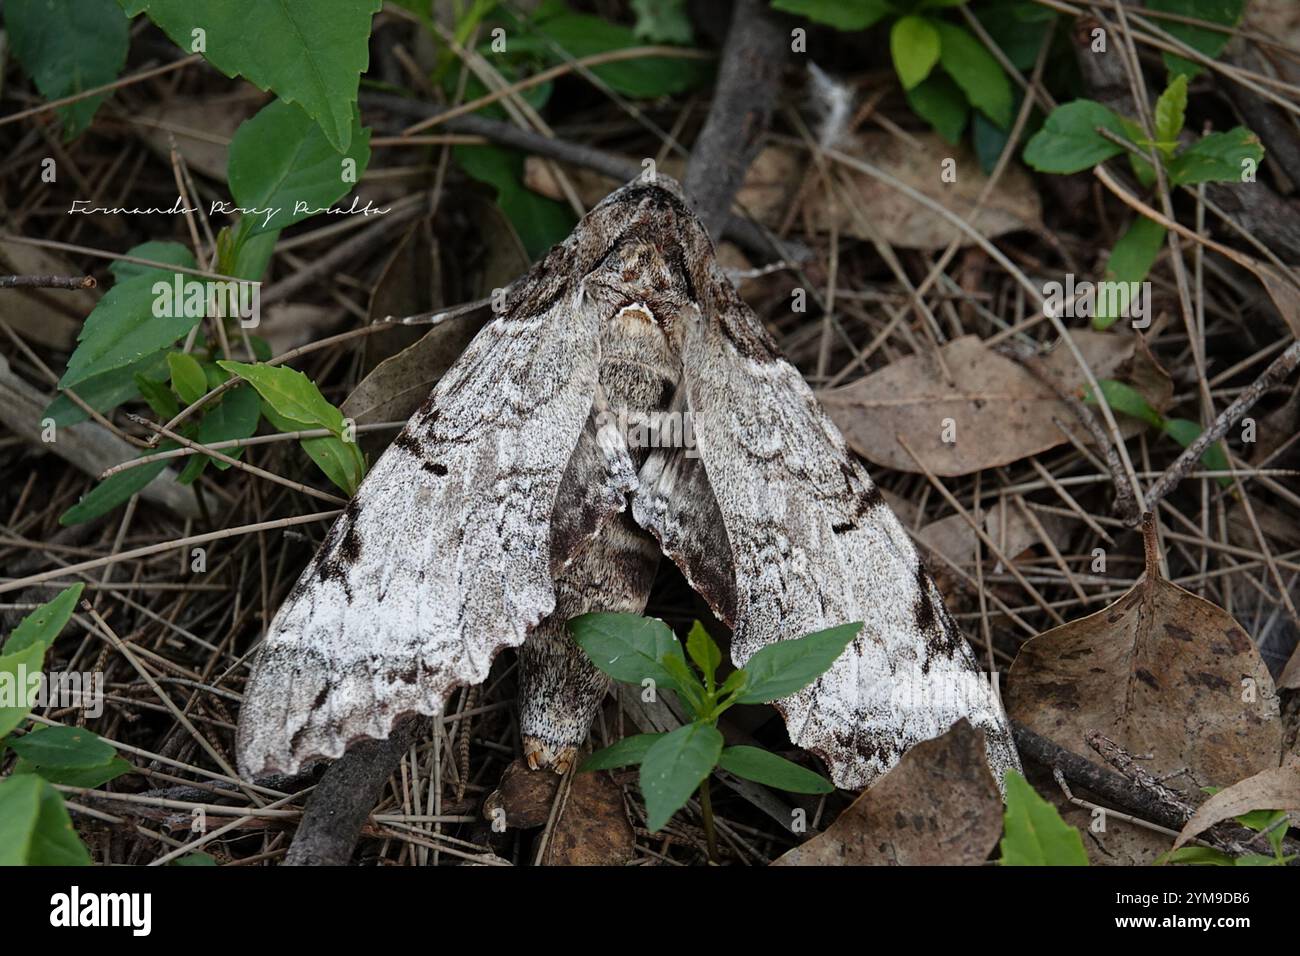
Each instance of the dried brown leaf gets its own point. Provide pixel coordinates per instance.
(410, 284)
(938, 807)
(593, 829)
(1165, 674)
(397, 386)
(524, 796)
(1001, 412)
(1011, 206)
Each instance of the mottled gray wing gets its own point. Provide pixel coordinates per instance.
(784, 533)
(447, 553)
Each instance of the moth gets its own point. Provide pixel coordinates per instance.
(513, 500)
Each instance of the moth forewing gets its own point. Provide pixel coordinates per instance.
(444, 556)
(784, 533)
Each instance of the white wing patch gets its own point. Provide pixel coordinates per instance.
(444, 557)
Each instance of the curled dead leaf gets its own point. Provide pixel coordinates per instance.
(938, 807)
(524, 797)
(397, 386)
(1277, 788)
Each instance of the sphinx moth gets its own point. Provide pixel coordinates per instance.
(512, 501)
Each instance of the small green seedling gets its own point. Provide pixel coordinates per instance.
(644, 651)
(35, 829)
(1083, 133)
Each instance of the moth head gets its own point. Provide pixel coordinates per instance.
(644, 184)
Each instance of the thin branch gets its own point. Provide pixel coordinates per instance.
(47, 282)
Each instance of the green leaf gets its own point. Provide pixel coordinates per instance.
(45, 623)
(1265, 820)
(784, 667)
(63, 748)
(35, 829)
(628, 752)
(1209, 42)
(914, 46)
(1217, 158)
(540, 222)
(107, 391)
(736, 681)
(1018, 27)
(159, 396)
(704, 652)
(580, 35)
(89, 777)
(1199, 856)
(1034, 833)
(1142, 169)
(688, 685)
(1122, 397)
(19, 678)
(187, 377)
(194, 859)
(235, 416)
(283, 164)
(976, 71)
(758, 765)
(989, 140)
(1258, 859)
(940, 103)
(68, 46)
(1171, 108)
(627, 647)
(245, 255)
(1069, 141)
(158, 250)
(662, 21)
(674, 767)
(291, 393)
(312, 54)
(1185, 432)
(340, 461)
(1130, 261)
(115, 490)
(1208, 856)
(848, 15)
(20, 809)
(123, 329)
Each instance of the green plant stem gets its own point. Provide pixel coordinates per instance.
(706, 811)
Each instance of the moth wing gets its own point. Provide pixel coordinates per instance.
(446, 553)
(784, 534)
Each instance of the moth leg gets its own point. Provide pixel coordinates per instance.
(560, 689)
